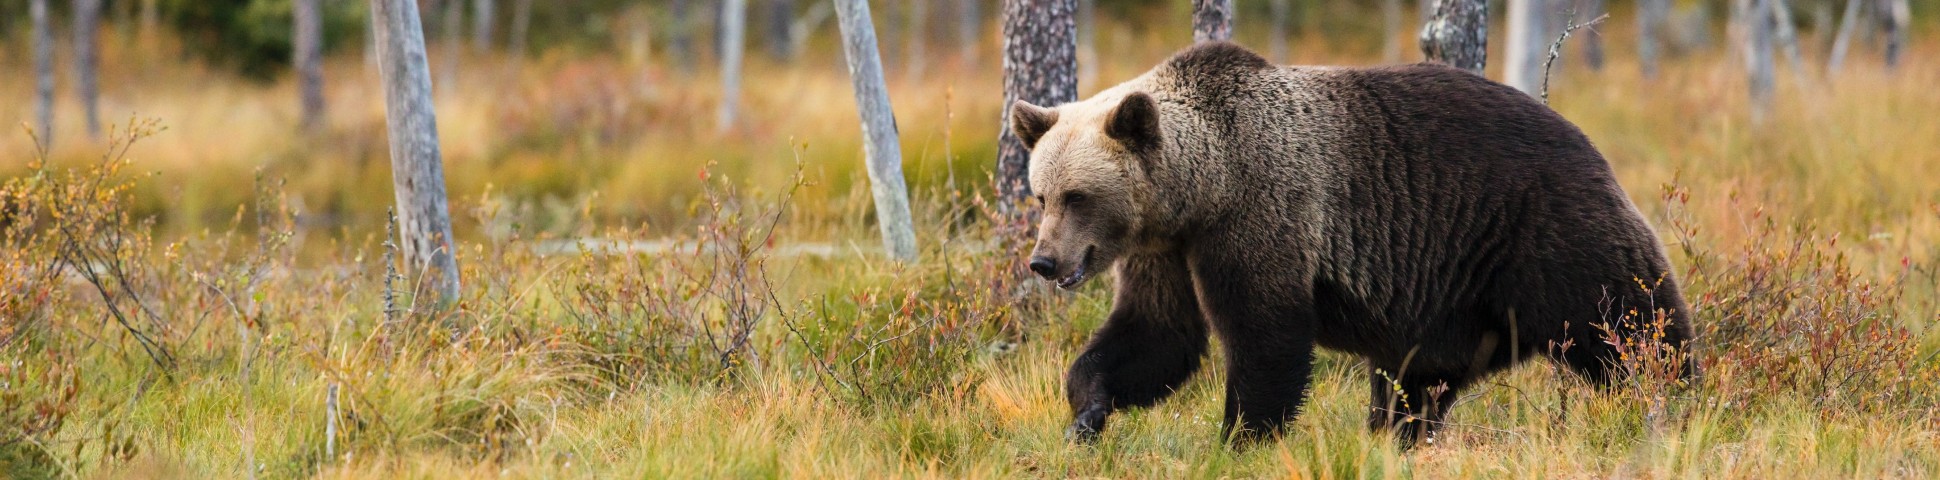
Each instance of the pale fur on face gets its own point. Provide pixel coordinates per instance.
(1076, 156)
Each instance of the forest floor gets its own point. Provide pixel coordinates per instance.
(212, 297)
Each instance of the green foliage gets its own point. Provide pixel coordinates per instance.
(255, 37)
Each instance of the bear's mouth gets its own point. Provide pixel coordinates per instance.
(1078, 275)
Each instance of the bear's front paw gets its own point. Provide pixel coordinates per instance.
(1086, 425)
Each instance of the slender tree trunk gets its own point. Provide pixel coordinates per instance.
(1458, 34)
(1786, 35)
(780, 36)
(417, 170)
(734, 29)
(1587, 11)
(43, 73)
(1391, 31)
(308, 59)
(1895, 16)
(521, 26)
(801, 28)
(880, 145)
(1212, 20)
(1087, 41)
(1040, 67)
(1529, 40)
(87, 61)
(1279, 12)
(970, 29)
(1651, 16)
(680, 35)
(913, 35)
(484, 18)
(1755, 17)
(1842, 42)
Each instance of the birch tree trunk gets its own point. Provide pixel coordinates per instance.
(1651, 16)
(734, 29)
(1785, 34)
(680, 36)
(1041, 67)
(1842, 42)
(1458, 34)
(1212, 21)
(417, 171)
(780, 27)
(483, 19)
(1529, 40)
(87, 61)
(308, 59)
(1894, 16)
(880, 145)
(43, 73)
(1279, 12)
(1755, 17)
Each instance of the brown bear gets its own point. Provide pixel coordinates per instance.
(1440, 225)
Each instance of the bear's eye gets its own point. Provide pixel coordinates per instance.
(1072, 199)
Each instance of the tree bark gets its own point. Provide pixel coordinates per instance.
(43, 73)
(1279, 12)
(87, 61)
(880, 144)
(417, 170)
(1529, 38)
(1212, 20)
(734, 29)
(1651, 17)
(1040, 67)
(1785, 33)
(308, 59)
(484, 18)
(1458, 34)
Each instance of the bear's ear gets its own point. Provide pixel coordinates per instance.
(1030, 122)
(1135, 123)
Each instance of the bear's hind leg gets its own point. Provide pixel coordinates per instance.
(1148, 347)
(1412, 407)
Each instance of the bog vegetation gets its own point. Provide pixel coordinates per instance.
(204, 293)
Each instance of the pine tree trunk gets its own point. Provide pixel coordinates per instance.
(1651, 17)
(417, 170)
(1279, 12)
(880, 146)
(87, 61)
(1040, 67)
(1458, 34)
(308, 59)
(484, 18)
(1529, 38)
(1212, 20)
(734, 29)
(43, 73)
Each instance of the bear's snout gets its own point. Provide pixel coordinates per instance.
(1044, 266)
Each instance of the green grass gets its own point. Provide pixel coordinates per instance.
(1807, 245)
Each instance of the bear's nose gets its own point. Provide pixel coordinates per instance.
(1044, 266)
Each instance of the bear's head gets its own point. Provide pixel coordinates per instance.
(1088, 168)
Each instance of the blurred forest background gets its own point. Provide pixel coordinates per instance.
(672, 269)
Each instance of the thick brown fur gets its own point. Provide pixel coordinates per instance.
(1437, 224)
